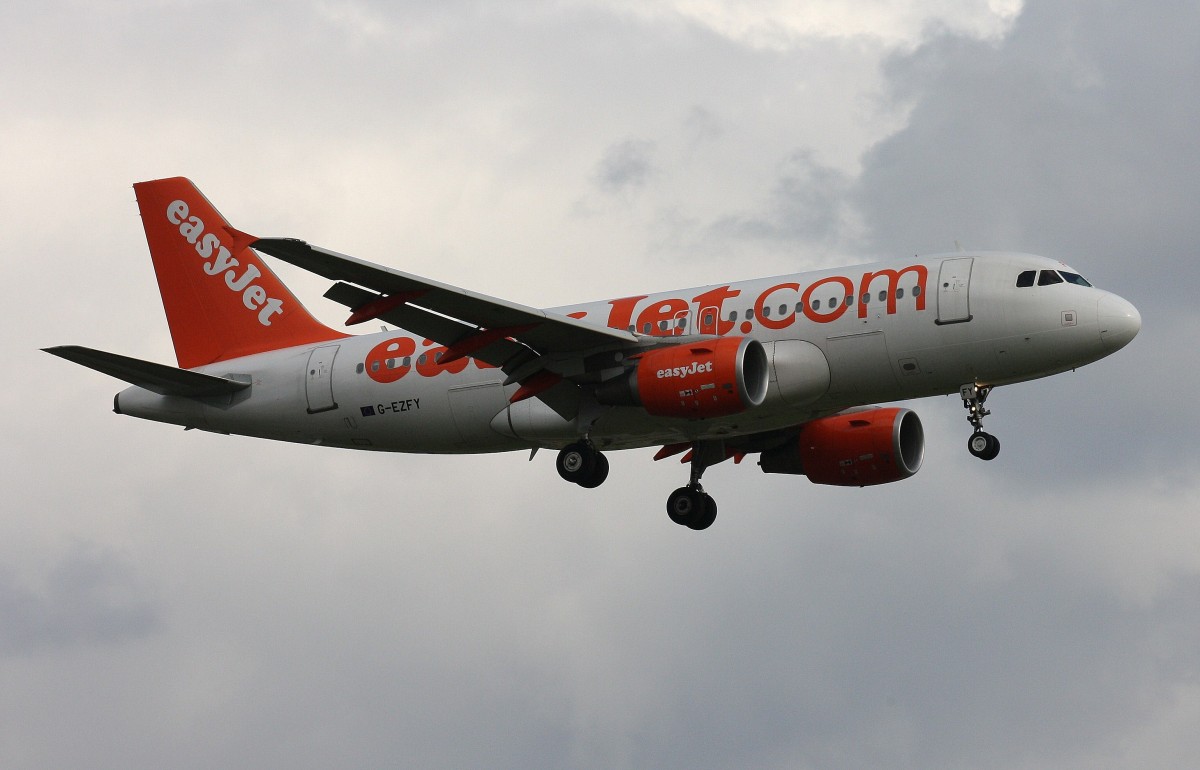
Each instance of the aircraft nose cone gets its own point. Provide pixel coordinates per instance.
(1119, 321)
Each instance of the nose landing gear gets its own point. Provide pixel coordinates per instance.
(981, 444)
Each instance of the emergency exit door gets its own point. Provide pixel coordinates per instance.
(318, 383)
(954, 287)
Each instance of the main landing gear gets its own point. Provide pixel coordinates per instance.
(581, 463)
(983, 445)
(691, 506)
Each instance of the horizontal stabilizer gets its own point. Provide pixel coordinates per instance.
(157, 378)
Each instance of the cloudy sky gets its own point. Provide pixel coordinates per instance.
(197, 601)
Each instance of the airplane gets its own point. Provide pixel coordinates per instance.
(788, 368)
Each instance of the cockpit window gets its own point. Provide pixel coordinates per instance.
(1026, 278)
(1049, 277)
(1074, 278)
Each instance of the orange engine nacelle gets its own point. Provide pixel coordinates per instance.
(712, 378)
(853, 449)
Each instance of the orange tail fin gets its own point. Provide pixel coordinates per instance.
(221, 300)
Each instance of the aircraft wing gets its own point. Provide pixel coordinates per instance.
(468, 323)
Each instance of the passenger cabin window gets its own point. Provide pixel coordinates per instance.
(1074, 278)
(1025, 279)
(1049, 278)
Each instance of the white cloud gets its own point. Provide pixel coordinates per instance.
(780, 24)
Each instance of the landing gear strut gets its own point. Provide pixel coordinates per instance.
(580, 463)
(983, 445)
(691, 506)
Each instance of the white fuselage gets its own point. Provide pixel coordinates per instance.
(835, 339)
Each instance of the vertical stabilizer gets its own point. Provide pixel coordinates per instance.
(221, 299)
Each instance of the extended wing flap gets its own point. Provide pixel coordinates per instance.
(448, 331)
(542, 331)
(157, 378)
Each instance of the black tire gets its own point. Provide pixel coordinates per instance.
(985, 446)
(706, 515)
(576, 462)
(599, 473)
(683, 505)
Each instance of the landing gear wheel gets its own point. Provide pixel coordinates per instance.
(598, 475)
(985, 446)
(577, 462)
(706, 516)
(682, 505)
(691, 507)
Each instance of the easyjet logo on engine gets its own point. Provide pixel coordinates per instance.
(695, 367)
(209, 247)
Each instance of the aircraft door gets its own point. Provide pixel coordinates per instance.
(954, 283)
(318, 382)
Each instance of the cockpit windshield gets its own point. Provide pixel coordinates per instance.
(1049, 278)
(1074, 278)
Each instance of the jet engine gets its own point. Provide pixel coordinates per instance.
(853, 448)
(713, 378)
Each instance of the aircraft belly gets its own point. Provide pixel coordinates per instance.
(630, 427)
(446, 413)
(943, 368)
(442, 414)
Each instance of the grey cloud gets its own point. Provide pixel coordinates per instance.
(702, 124)
(87, 598)
(807, 206)
(626, 166)
(1074, 137)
